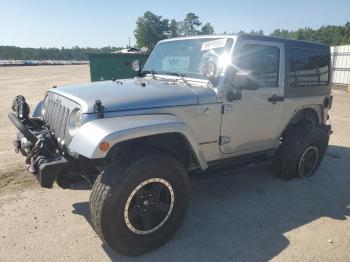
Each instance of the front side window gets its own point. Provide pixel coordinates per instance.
(188, 57)
(308, 67)
(261, 62)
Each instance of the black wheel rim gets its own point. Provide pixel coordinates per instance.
(149, 206)
(308, 161)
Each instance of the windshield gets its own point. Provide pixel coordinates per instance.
(188, 57)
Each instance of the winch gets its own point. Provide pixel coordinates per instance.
(36, 142)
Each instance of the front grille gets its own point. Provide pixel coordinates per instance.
(56, 116)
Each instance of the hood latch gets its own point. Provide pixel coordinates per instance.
(98, 108)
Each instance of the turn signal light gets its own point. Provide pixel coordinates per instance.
(104, 146)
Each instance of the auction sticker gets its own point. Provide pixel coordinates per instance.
(217, 43)
(176, 63)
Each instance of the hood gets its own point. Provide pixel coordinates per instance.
(135, 94)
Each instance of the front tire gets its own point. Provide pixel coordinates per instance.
(137, 204)
(301, 151)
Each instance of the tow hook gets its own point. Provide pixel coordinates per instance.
(31, 165)
(17, 145)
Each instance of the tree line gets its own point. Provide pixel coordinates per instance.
(74, 53)
(330, 34)
(151, 28)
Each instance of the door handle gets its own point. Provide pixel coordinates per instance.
(275, 98)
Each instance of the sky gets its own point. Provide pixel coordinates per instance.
(67, 23)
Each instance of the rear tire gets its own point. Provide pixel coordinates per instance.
(302, 149)
(137, 204)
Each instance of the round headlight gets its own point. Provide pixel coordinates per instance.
(75, 121)
(78, 119)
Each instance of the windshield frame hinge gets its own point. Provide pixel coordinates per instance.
(226, 108)
(223, 140)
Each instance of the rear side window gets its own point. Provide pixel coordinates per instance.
(262, 62)
(308, 67)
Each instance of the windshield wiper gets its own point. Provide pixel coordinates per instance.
(150, 71)
(182, 76)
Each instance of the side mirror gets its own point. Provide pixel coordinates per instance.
(246, 81)
(136, 66)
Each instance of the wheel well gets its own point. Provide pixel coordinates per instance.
(172, 143)
(306, 115)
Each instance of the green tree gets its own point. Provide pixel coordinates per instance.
(173, 29)
(150, 29)
(207, 29)
(189, 25)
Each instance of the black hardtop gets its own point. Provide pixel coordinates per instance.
(290, 43)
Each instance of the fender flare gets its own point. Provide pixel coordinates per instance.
(86, 141)
(317, 108)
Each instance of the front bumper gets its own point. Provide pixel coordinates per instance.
(49, 170)
(44, 159)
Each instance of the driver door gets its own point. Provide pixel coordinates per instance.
(252, 123)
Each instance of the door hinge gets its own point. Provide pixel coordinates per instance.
(224, 140)
(228, 108)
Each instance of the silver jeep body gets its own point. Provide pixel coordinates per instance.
(199, 103)
(213, 126)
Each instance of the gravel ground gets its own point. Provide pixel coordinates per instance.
(32, 82)
(245, 216)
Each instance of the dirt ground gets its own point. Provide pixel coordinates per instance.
(32, 82)
(247, 216)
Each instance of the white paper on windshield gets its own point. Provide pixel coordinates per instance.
(176, 63)
(217, 43)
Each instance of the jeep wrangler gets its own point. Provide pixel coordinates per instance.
(198, 103)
